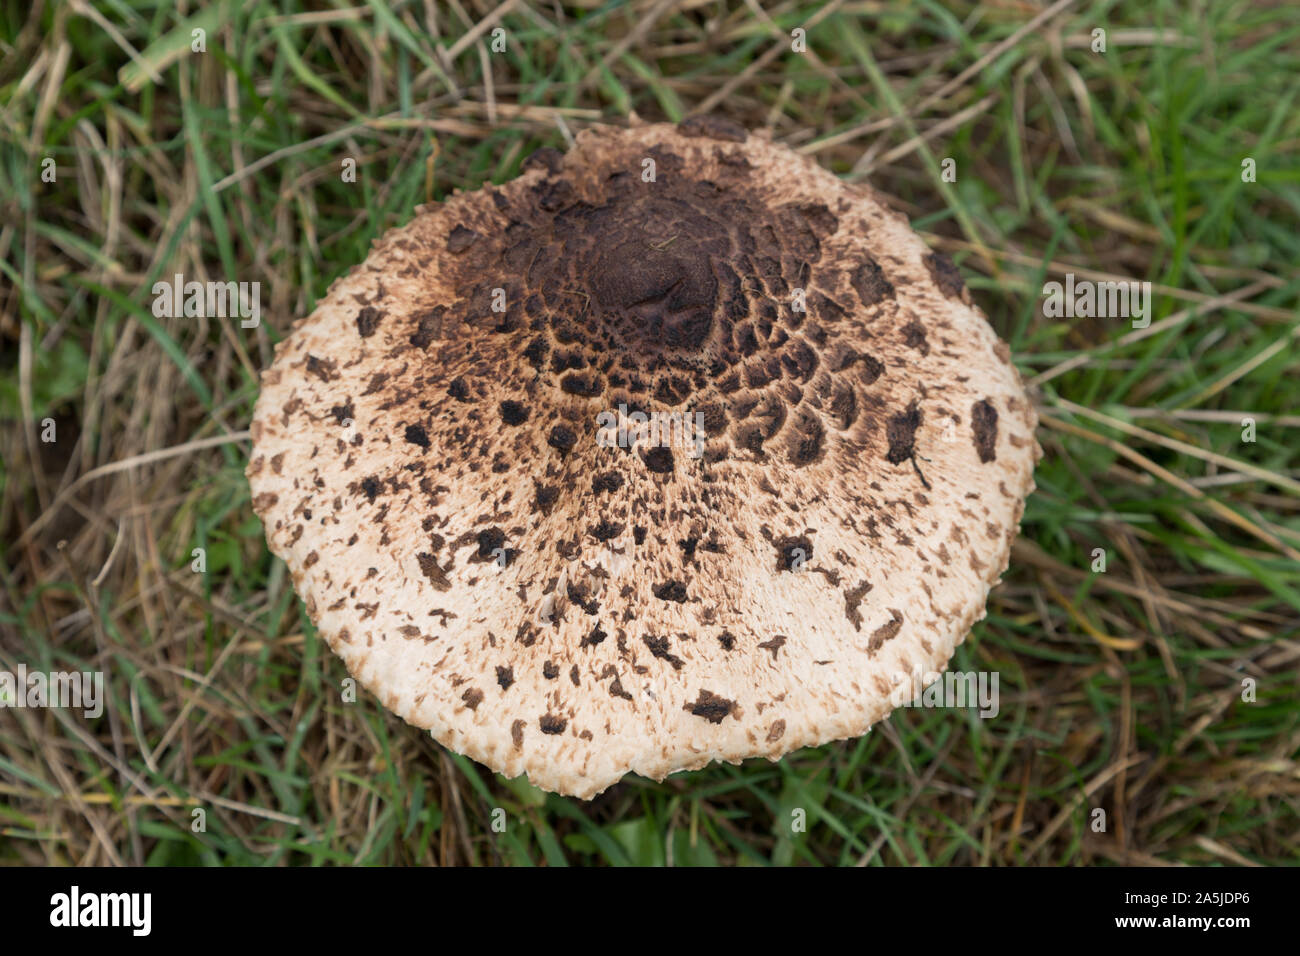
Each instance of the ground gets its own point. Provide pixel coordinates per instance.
(1145, 635)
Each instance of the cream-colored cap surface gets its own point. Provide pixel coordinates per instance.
(674, 449)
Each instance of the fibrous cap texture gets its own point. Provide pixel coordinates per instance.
(676, 448)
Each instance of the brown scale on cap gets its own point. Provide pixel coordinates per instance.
(808, 531)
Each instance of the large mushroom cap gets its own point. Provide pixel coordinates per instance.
(437, 457)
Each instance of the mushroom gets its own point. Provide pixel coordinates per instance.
(461, 456)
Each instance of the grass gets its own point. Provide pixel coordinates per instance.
(1122, 689)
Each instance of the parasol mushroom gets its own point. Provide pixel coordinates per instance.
(454, 456)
